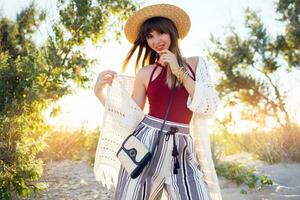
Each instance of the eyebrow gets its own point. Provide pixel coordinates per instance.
(153, 31)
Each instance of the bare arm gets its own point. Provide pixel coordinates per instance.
(189, 83)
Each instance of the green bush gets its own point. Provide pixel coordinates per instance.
(21, 139)
(32, 76)
(240, 174)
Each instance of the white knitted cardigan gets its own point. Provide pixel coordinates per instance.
(122, 115)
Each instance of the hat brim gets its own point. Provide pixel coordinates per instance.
(178, 16)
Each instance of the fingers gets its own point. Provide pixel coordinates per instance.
(169, 59)
(166, 54)
(104, 78)
(164, 51)
(107, 72)
(106, 81)
(166, 59)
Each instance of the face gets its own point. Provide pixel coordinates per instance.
(158, 41)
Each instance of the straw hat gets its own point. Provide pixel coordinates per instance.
(174, 13)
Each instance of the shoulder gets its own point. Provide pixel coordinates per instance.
(144, 73)
(193, 61)
(197, 61)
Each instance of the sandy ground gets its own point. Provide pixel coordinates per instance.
(285, 177)
(70, 180)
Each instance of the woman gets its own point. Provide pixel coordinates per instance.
(155, 31)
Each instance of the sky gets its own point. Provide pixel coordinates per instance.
(207, 18)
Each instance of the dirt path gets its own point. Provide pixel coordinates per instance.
(71, 180)
(74, 180)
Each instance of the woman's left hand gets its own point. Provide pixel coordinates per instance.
(168, 58)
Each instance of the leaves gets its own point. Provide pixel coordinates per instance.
(249, 65)
(290, 14)
(265, 180)
(33, 76)
(241, 174)
(238, 173)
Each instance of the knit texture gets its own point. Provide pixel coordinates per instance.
(122, 115)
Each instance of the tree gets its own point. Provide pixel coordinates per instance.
(250, 66)
(32, 76)
(288, 45)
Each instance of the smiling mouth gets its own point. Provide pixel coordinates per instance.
(160, 47)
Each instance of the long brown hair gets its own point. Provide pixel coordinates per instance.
(161, 25)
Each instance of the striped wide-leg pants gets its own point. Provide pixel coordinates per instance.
(159, 174)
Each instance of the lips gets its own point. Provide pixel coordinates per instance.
(160, 47)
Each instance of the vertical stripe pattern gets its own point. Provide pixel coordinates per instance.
(158, 174)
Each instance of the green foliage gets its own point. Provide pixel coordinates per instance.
(249, 64)
(240, 174)
(288, 45)
(265, 181)
(243, 191)
(32, 76)
(21, 139)
(85, 19)
(21, 125)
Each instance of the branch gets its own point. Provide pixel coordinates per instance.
(277, 93)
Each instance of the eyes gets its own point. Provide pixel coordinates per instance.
(153, 33)
(149, 36)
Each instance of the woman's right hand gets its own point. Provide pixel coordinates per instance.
(104, 78)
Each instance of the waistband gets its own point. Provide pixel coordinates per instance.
(170, 128)
(156, 123)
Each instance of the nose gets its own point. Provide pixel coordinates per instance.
(156, 39)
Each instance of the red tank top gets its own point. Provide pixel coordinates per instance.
(159, 93)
